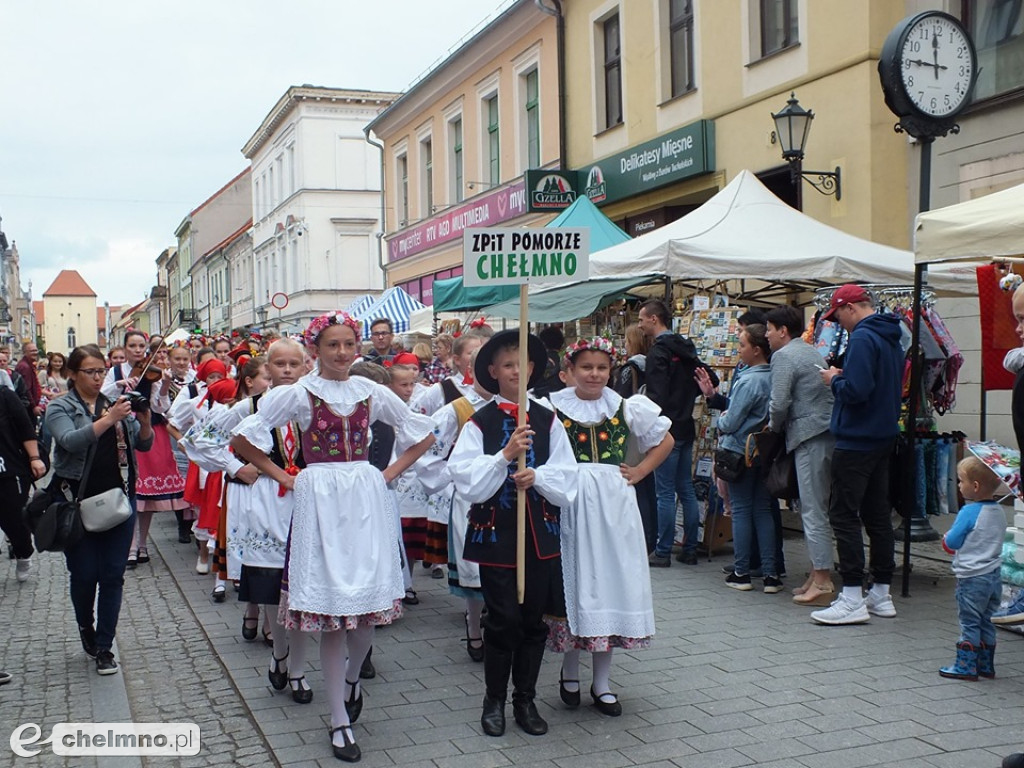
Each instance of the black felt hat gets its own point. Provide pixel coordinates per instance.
(485, 357)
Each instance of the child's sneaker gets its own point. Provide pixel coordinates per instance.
(1011, 614)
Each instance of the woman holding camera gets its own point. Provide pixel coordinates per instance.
(85, 421)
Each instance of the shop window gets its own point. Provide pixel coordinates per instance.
(492, 141)
(455, 176)
(427, 176)
(532, 119)
(612, 87)
(779, 25)
(997, 28)
(403, 190)
(680, 20)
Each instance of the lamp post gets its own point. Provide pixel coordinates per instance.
(261, 315)
(792, 127)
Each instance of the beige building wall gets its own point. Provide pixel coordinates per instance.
(494, 61)
(832, 70)
(64, 312)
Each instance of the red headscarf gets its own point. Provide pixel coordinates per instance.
(213, 365)
(223, 391)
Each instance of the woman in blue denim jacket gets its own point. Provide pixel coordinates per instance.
(82, 420)
(747, 412)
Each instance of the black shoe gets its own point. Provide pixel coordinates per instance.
(367, 670)
(219, 593)
(1016, 760)
(184, 535)
(354, 704)
(610, 708)
(5, 677)
(493, 718)
(528, 718)
(476, 652)
(350, 753)
(569, 698)
(142, 555)
(88, 636)
(659, 561)
(301, 692)
(133, 560)
(278, 677)
(741, 583)
(249, 633)
(772, 585)
(105, 664)
(411, 597)
(687, 557)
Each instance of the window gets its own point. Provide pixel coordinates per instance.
(612, 73)
(493, 142)
(290, 152)
(532, 116)
(272, 190)
(997, 28)
(403, 191)
(680, 41)
(427, 175)
(256, 197)
(455, 177)
(72, 343)
(778, 25)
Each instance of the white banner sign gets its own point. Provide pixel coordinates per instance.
(518, 256)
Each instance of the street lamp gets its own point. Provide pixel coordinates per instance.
(792, 126)
(261, 315)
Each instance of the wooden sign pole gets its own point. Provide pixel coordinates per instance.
(524, 406)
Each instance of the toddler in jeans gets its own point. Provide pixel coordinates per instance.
(976, 542)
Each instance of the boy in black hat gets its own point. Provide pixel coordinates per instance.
(484, 468)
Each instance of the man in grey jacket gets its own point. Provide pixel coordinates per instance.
(802, 407)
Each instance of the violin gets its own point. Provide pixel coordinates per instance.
(145, 370)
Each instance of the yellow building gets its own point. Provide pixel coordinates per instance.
(457, 142)
(702, 79)
(70, 316)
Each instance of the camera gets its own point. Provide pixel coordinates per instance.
(139, 403)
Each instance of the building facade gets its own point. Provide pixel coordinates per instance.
(457, 143)
(315, 207)
(71, 316)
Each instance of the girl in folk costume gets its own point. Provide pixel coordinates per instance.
(429, 401)
(159, 486)
(182, 376)
(342, 569)
(259, 515)
(604, 556)
(186, 411)
(432, 471)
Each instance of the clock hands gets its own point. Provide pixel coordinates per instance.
(935, 53)
(923, 63)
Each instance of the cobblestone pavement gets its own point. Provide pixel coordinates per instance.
(733, 679)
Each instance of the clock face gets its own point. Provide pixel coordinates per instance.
(937, 65)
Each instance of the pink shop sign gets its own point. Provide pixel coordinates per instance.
(484, 211)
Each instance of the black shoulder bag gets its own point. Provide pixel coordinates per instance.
(59, 528)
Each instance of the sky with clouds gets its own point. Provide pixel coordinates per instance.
(118, 117)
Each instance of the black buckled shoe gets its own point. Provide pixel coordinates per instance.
(528, 718)
(493, 718)
(350, 752)
(476, 652)
(610, 708)
(367, 671)
(354, 704)
(301, 692)
(569, 698)
(278, 676)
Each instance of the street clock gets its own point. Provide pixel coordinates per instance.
(928, 68)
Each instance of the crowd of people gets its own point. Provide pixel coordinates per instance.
(314, 473)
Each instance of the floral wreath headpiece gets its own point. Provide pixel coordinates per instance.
(595, 344)
(318, 324)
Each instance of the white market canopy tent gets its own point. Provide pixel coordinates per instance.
(746, 232)
(984, 229)
(394, 304)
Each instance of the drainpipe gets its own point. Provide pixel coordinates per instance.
(380, 235)
(556, 11)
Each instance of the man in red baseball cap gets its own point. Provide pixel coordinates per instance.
(865, 422)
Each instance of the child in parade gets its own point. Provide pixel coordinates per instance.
(485, 471)
(607, 590)
(181, 376)
(342, 568)
(432, 471)
(976, 543)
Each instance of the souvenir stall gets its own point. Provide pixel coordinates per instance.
(984, 230)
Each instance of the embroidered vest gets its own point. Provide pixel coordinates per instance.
(603, 443)
(491, 537)
(331, 437)
(280, 450)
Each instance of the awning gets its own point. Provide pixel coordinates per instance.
(571, 302)
(360, 304)
(452, 296)
(394, 304)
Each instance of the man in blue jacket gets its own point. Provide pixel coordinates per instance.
(865, 422)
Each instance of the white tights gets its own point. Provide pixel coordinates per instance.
(602, 668)
(338, 670)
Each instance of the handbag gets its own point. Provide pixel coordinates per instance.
(729, 465)
(110, 508)
(778, 466)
